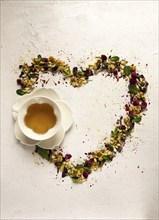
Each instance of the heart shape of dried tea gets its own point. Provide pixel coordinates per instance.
(114, 67)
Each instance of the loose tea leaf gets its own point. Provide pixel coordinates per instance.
(43, 153)
(114, 59)
(20, 92)
(127, 70)
(106, 158)
(133, 89)
(137, 119)
(39, 56)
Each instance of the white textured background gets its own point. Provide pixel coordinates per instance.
(120, 190)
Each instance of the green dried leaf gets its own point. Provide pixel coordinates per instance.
(106, 158)
(20, 92)
(127, 70)
(43, 153)
(114, 59)
(75, 180)
(79, 166)
(133, 89)
(39, 56)
(137, 119)
(81, 73)
(114, 133)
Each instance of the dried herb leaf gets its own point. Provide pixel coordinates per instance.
(20, 92)
(43, 153)
(39, 56)
(106, 158)
(127, 70)
(133, 89)
(114, 133)
(81, 73)
(137, 119)
(114, 59)
(79, 166)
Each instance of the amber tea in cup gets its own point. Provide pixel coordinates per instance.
(39, 118)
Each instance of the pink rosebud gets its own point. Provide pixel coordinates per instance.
(136, 102)
(115, 71)
(103, 57)
(45, 59)
(85, 174)
(91, 161)
(130, 113)
(143, 105)
(134, 75)
(122, 127)
(68, 156)
(126, 107)
(133, 81)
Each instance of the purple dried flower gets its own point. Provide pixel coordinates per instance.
(68, 156)
(122, 127)
(136, 102)
(115, 71)
(91, 161)
(44, 59)
(103, 57)
(19, 82)
(85, 174)
(143, 105)
(130, 113)
(127, 107)
(133, 81)
(134, 75)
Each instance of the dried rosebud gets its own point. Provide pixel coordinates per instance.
(68, 156)
(85, 174)
(130, 113)
(44, 59)
(127, 107)
(133, 81)
(115, 71)
(103, 57)
(122, 127)
(134, 75)
(19, 82)
(91, 161)
(143, 105)
(136, 102)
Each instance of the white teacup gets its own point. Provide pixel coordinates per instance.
(28, 131)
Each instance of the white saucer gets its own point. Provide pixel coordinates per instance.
(66, 113)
